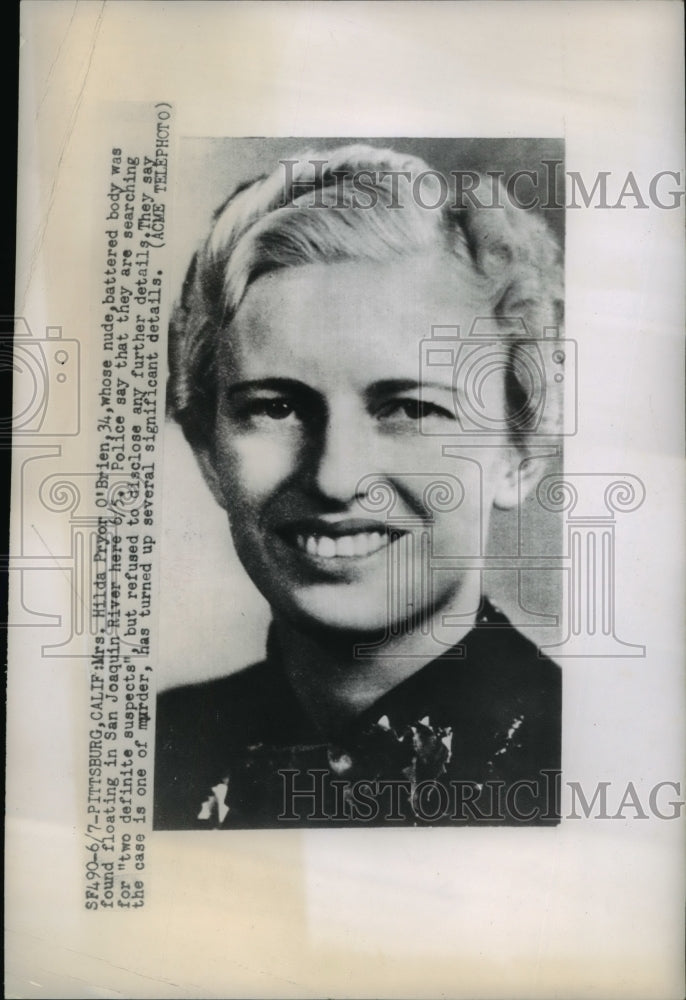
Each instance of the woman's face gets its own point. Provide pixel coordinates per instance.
(319, 403)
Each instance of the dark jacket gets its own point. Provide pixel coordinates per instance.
(473, 737)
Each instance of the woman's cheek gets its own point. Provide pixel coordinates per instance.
(256, 465)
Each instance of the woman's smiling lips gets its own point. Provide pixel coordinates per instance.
(352, 538)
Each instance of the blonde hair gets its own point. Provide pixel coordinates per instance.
(289, 219)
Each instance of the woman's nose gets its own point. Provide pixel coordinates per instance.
(343, 457)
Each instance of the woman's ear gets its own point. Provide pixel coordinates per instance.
(519, 476)
(205, 460)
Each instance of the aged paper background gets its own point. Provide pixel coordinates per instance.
(593, 908)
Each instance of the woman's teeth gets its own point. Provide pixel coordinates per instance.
(362, 543)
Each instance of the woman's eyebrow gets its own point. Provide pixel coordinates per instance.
(275, 384)
(395, 385)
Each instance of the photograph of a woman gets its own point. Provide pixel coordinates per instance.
(359, 486)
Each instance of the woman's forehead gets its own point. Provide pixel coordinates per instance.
(356, 305)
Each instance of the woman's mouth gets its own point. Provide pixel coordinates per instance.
(342, 540)
(355, 545)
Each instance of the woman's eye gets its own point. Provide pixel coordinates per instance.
(412, 410)
(276, 409)
(262, 412)
(271, 409)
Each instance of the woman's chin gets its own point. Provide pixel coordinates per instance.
(350, 610)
